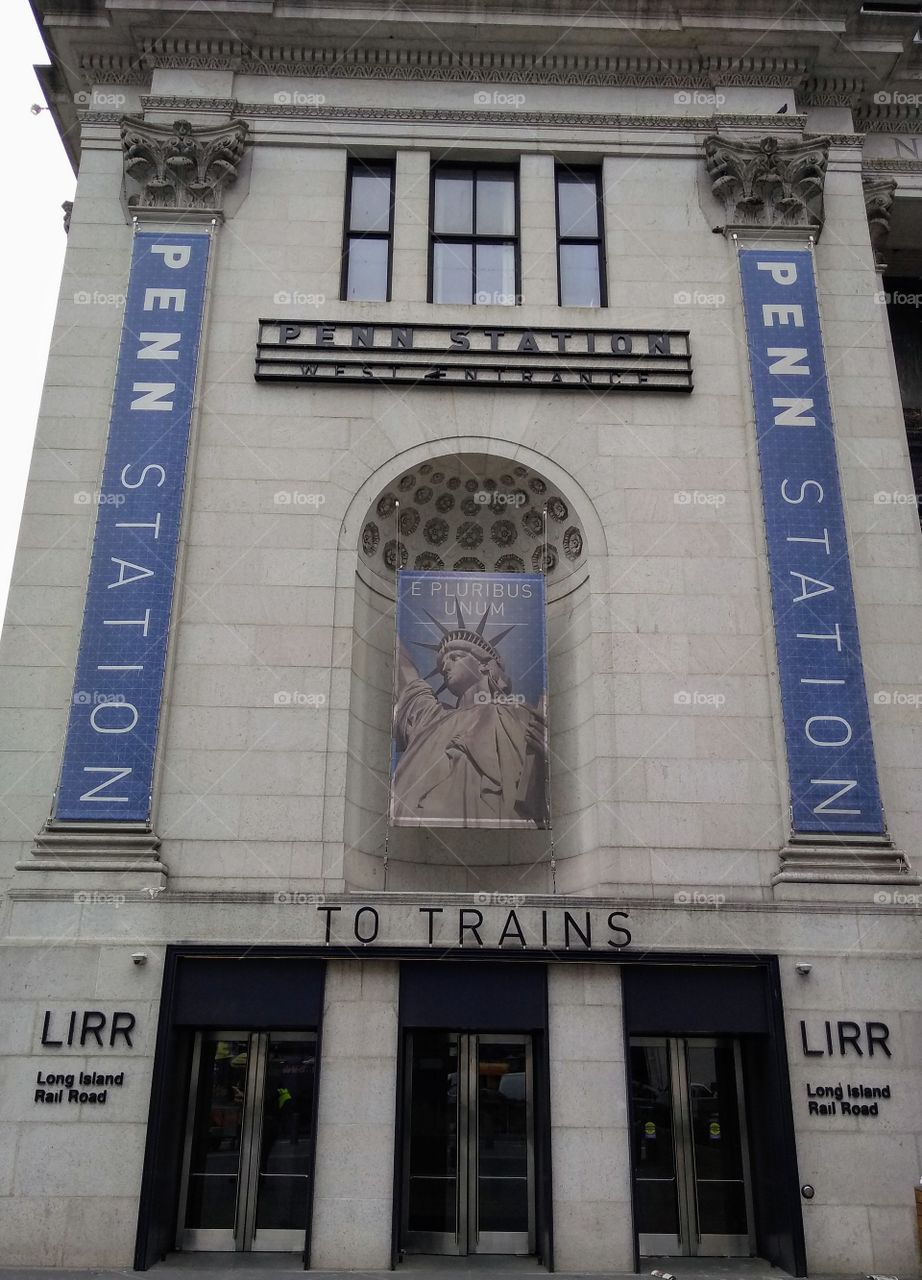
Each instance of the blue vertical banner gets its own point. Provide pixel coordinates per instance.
(109, 752)
(470, 742)
(830, 752)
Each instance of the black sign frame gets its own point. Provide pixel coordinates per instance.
(518, 357)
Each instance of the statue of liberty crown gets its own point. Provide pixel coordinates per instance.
(462, 634)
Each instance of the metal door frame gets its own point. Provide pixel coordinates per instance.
(467, 1239)
(269, 1239)
(517, 1243)
(661, 1244)
(243, 1237)
(690, 1242)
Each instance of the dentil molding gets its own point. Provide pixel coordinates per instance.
(479, 67)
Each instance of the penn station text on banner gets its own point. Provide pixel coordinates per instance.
(107, 768)
(831, 764)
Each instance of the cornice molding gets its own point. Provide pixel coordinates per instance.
(476, 67)
(880, 118)
(831, 91)
(113, 68)
(769, 183)
(439, 115)
(883, 164)
(213, 106)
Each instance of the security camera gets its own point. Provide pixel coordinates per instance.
(36, 109)
(139, 957)
(803, 968)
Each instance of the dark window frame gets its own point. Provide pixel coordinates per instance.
(583, 172)
(367, 164)
(473, 239)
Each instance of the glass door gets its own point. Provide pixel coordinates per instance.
(468, 1144)
(691, 1178)
(249, 1142)
(501, 1151)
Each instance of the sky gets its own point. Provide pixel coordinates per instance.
(38, 179)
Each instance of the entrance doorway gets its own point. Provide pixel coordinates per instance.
(468, 1133)
(248, 1151)
(691, 1160)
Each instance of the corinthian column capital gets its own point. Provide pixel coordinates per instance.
(769, 183)
(181, 166)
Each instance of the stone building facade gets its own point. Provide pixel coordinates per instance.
(516, 264)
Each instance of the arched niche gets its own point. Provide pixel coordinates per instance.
(431, 513)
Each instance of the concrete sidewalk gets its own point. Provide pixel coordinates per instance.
(257, 1267)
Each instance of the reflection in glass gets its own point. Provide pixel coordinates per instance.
(287, 1135)
(367, 275)
(579, 238)
(653, 1139)
(495, 275)
(716, 1141)
(580, 277)
(474, 236)
(578, 205)
(502, 1138)
(433, 1153)
(214, 1165)
(495, 203)
(452, 272)
(370, 205)
(454, 202)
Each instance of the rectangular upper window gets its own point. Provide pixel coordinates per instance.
(475, 234)
(580, 259)
(369, 230)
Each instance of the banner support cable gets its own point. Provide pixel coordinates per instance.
(390, 744)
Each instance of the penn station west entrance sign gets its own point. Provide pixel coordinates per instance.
(446, 355)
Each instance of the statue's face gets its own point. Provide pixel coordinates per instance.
(460, 669)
